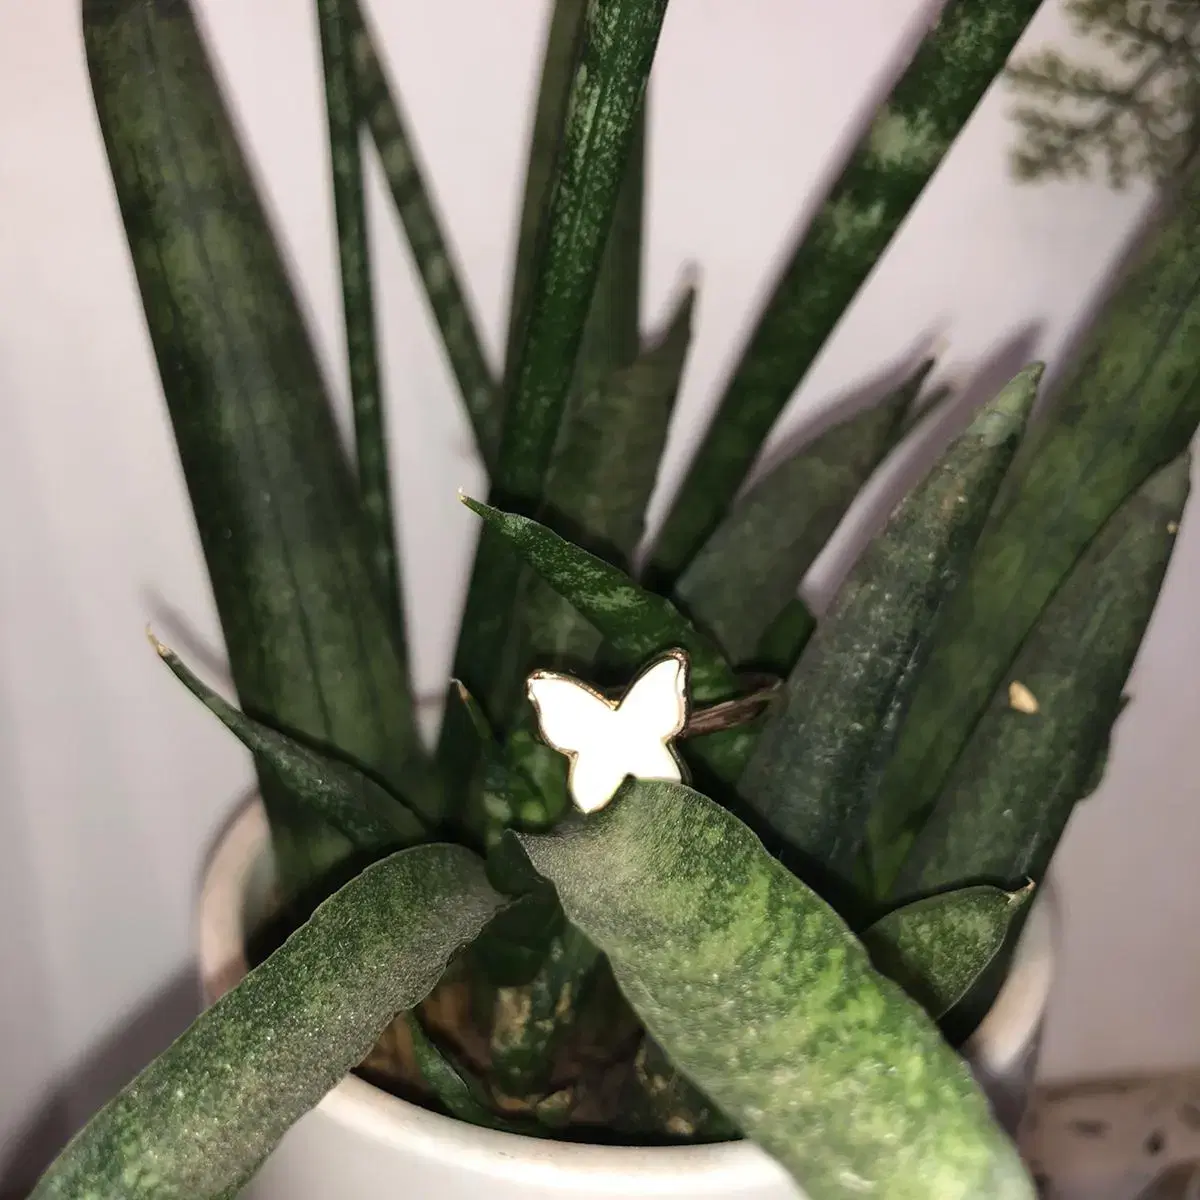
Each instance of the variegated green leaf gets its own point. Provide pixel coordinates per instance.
(816, 768)
(767, 1002)
(432, 253)
(204, 1113)
(1129, 407)
(343, 112)
(963, 52)
(333, 790)
(936, 948)
(1010, 794)
(636, 623)
(311, 642)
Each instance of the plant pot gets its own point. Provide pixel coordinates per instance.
(360, 1143)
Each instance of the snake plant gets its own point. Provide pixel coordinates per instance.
(796, 906)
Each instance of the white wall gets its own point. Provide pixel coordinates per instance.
(113, 782)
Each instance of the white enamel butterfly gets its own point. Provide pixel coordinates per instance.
(606, 740)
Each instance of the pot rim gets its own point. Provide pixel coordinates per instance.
(1009, 1027)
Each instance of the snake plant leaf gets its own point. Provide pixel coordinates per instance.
(508, 795)
(1009, 796)
(761, 995)
(514, 946)
(607, 457)
(592, 168)
(336, 791)
(937, 947)
(783, 641)
(560, 56)
(756, 558)
(196, 1120)
(660, 1098)
(963, 52)
(529, 1022)
(461, 1095)
(434, 257)
(636, 623)
(358, 301)
(816, 768)
(611, 334)
(311, 643)
(602, 475)
(606, 95)
(1129, 406)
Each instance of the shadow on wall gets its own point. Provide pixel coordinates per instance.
(104, 1072)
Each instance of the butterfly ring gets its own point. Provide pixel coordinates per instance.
(605, 739)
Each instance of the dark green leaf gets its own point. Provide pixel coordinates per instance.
(1130, 406)
(311, 643)
(1009, 796)
(817, 766)
(462, 1096)
(607, 88)
(337, 792)
(662, 1099)
(637, 624)
(529, 1022)
(601, 477)
(432, 253)
(358, 305)
(564, 42)
(936, 948)
(761, 995)
(756, 558)
(196, 1120)
(601, 132)
(508, 796)
(611, 442)
(908, 137)
(783, 641)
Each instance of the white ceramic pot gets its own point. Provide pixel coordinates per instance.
(362, 1144)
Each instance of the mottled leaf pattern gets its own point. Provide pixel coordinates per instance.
(1009, 796)
(1130, 406)
(763, 997)
(817, 766)
(358, 303)
(208, 1110)
(335, 791)
(637, 624)
(910, 133)
(310, 640)
(432, 253)
(936, 948)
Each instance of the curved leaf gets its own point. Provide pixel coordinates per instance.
(337, 792)
(636, 623)
(210, 1108)
(815, 771)
(1009, 796)
(1129, 407)
(762, 996)
(602, 475)
(936, 948)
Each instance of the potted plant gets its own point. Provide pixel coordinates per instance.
(687, 866)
